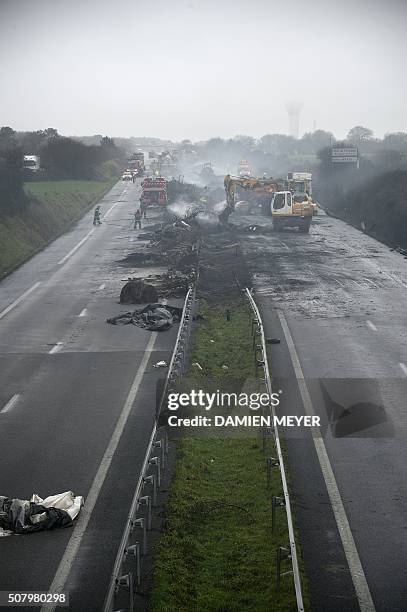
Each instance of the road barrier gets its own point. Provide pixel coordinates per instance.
(289, 552)
(126, 573)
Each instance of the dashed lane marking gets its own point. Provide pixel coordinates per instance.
(371, 326)
(403, 368)
(10, 404)
(56, 348)
(16, 302)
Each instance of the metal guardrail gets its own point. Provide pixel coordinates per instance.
(282, 553)
(150, 476)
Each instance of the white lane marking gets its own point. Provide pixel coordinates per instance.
(355, 566)
(371, 325)
(393, 278)
(83, 313)
(18, 300)
(403, 368)
(110, 210)
(76, 247)
(102, 286)
(91, 499)
(56, 348)
(10, 404)
(370, 282)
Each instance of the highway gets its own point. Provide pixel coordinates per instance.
(77, 400)
(336, 301)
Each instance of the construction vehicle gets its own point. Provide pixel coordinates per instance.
(153, 191)
(300, 183)
(253, 190)
(287, 210)
(244, 168)
(290, 210)
(207, 173)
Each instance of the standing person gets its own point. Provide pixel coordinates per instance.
(143, 210)
(137, 219)
(97, 220)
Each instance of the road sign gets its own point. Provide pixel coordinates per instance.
(344, 152)
(345, 155)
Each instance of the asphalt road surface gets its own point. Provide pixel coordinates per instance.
(65, 378)
(336, 299)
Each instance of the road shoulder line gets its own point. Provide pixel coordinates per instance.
(352, 556)
(16, 302)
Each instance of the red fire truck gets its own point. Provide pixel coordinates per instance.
(153, 191)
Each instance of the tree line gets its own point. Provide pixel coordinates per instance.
(61, 158)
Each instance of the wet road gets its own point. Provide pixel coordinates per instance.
(336, 299)
(66, 377)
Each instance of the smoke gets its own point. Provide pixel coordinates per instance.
(180, 208)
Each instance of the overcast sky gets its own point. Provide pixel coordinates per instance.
(202, 68)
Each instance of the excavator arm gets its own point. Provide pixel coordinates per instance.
(262, 188)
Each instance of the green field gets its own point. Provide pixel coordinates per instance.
(216, 551)
(53, 206)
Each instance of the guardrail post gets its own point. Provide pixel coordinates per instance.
(282, 553)
(159, 444)
(152, 480)
(140, 522)
(134, 550)
(271, 462)
(156, 461)
(146, 501)
(127, 581)
(275, 502)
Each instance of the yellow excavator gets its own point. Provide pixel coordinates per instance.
(287, 210)
(249, 188)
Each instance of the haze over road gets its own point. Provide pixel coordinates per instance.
(65, 376)
(336, 298)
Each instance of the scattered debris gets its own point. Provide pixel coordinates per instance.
(273, 340)
(225, 367)
(137, 291)
(25, 516)
(160, 364)
(197, 365)
(154, 317)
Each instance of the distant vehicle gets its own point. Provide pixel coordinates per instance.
(244, 168)
(207, 173)
(300, 184)
(291, 211)
(127, 176)
(153, 191)
(32, 163)
(136, 163)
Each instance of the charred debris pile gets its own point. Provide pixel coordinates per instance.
(194, 248)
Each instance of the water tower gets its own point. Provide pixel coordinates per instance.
(294, 109)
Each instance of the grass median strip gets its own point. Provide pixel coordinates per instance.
(217, 551)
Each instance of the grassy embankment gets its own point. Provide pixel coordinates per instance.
(216, 551)
(53, 207)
